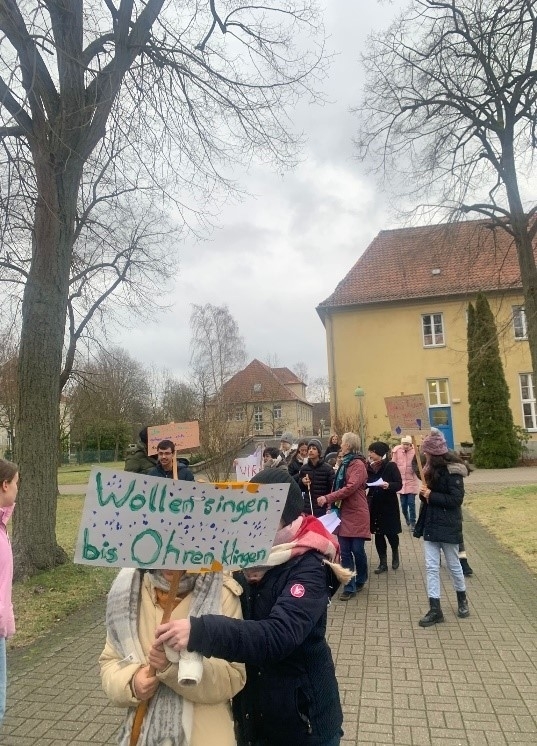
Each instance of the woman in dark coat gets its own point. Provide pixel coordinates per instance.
(384, 504)
(440, 523)
(333, 446)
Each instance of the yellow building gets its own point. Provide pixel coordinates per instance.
(396, 325)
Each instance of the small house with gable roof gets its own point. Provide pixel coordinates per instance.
(396, 325)
(266, 402)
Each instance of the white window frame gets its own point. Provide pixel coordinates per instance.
(258, 417)
(239, 413)
(430, 319)
(437, 381)
(527, 401)
(277, 411)
(520, 327)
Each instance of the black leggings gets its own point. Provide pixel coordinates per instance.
(382, 547)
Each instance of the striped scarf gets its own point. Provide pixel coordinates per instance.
(168, 721)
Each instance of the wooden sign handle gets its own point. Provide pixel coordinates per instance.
(418, 458)
(174, 467)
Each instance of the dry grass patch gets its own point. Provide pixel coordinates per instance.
(511, 517)
(49, 597)
(79, 473)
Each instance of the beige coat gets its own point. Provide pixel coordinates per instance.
(212, 719)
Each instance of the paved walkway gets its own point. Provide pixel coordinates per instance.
(466, 682)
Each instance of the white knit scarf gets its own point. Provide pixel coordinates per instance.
(168, 720)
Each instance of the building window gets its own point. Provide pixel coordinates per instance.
(527, 395)
(239, 414)
(433, 329)
(277, 411)
(519, 322)
(438, 391)
(258, 417)
(257, 388)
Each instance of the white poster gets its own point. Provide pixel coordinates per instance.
(133, 520)
(249, 466)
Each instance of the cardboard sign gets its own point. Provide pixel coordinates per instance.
(183, 435)
(134, 520)
(408, 415)
(249, 466)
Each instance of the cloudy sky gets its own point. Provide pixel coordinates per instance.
(284, 248)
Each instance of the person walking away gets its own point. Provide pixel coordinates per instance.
(9, 482)
(138, 461)
(291, 697)
(315, 478)
(354, 530)
(189, 700)
(164, 467)
(440, 523)
(403, 455)
(384, 504)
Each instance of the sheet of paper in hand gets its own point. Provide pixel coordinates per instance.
(133, 520)
(377, 483)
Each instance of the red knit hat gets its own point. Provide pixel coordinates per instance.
(435, 445)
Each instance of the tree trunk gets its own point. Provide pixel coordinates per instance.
(42, 336)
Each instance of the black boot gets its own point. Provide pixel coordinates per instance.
(462, 602)
(383, 565)
(434, 615)
(466, 569)
(395, 559)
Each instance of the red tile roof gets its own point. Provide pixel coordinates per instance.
(240, 387)
(430, 261)
(286, 376)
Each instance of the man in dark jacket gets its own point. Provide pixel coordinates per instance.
(138, 461)
(164, 468)
(315, 478)
(291, 696)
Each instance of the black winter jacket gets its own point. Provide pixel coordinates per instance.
(443, 514)
(291, 696)
(322, 478)
(183, 472)
(384, 504)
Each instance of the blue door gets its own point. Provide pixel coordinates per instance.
(440, 417)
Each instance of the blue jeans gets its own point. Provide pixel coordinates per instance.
(353, 557)
(432, 565)
(3, 677)
(408, 506)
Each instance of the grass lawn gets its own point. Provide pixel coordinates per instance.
(47, 598)
(79, 473)
(511, 517)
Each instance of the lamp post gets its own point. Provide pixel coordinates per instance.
(359, 393)
(321, 422)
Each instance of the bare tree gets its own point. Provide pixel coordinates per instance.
(8, 388)
(217, 353)
(319, 389)
(450, 107)
(112, 396)
(192, 86)
(300, 369)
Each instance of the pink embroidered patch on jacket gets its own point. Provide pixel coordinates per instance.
(297, 590)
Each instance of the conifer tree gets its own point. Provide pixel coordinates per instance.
(491, 419)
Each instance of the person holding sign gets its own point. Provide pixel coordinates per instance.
(291, 696)
(189, 702)
(164, 467)
(384, 482)
(9, 479)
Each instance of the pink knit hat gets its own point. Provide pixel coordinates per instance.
(434, 444)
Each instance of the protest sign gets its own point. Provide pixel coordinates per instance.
(182, 434)
(134, 520)
(249, 466)
(408, 415)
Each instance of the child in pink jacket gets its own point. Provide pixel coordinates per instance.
(9, 480)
